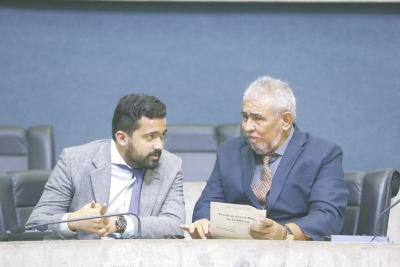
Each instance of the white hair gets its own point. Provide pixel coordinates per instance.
(280, 91)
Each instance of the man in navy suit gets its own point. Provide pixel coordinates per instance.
(307, 197)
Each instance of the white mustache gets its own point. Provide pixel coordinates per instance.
(253, 135)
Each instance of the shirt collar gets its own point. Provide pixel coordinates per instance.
(281, 150)
(115, 156)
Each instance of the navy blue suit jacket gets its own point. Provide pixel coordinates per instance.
(308, 187)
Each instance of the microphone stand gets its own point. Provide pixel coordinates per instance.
(43, 226)
(383, 212)
(377, 238)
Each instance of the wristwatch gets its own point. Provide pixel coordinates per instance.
(289, 234)
(120, 224)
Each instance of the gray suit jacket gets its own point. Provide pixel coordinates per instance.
(83, 174)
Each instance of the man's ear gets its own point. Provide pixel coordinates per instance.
(121, 138)
(287, 119)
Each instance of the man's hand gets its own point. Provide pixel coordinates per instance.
(200, 229)
(109, 226)
(268, 229)
(101, 226)
(108, 221)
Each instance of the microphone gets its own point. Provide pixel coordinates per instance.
(376, 238)
(383, 212)
(18, 229)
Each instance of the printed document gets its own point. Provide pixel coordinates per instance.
(232, 220)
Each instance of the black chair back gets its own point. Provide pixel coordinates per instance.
(20, 191)
(369, 195)
(26, 149)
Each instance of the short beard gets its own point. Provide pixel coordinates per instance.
(134, 159)
(265, 148)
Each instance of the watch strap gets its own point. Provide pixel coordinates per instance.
(120, 224)
(289, 234)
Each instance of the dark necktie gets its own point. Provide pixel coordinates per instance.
(134, 206)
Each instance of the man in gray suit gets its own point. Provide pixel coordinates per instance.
(96, 179)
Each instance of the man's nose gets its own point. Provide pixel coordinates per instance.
(248, 126)
(159, 144)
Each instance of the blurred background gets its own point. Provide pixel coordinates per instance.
(68, 63)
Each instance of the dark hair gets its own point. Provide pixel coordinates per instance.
(131, 108)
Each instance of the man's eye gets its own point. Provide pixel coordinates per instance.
(150, 137)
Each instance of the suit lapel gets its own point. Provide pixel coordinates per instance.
(248, 168)
(101, 175)
(293, 151)
(150, 188)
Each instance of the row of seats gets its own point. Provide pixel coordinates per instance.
(27, 158)
(370, 194)
(26, 149)
(196, 144)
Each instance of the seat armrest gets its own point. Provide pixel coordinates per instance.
(8, 216)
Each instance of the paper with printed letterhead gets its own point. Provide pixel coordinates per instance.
(231, 221)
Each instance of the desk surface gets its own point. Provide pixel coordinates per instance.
(197, 253)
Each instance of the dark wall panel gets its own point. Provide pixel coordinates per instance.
(68, 63)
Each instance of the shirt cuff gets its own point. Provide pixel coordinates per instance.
(130, 228)
(64, 230)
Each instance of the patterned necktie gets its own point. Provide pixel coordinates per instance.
(134, 206)
(262, 187)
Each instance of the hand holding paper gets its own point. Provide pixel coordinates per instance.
(268, 229)
(232, 221)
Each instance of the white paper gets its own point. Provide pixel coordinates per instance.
(232, 221)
